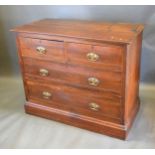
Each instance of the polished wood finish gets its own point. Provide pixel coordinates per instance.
(82, 73)
(65, 99)
(75, 75)
(97, 31)
(109, 56)
(53, 49)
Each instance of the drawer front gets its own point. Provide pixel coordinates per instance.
(42, 49)
(75, 75)
(73, 100)
(104, 57)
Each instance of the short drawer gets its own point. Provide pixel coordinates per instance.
(73, 100)
(74, 75)
(103, 57)
(42, 49)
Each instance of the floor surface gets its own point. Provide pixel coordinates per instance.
(20, 130)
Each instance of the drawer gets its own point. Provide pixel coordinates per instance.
(75, 101)
(75, 75)
(42, 49)
(103, 57)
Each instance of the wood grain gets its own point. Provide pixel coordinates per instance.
(74, 100)
(74, 75)
(54, 49)
(67, 43)
(109, 57)
(117, 32)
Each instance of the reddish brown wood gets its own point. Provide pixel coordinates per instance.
(132, 79)
(67, 44)
(54, 49)
(116, 32)
(110, 57)
(78, 89)
(63, 97)
(75, 75)
(82, 121)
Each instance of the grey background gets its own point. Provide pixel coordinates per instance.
(18, 130)
(11, 16)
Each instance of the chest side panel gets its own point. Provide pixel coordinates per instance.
(132, 80)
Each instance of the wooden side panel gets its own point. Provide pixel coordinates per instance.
(132, 80)
(21, 65)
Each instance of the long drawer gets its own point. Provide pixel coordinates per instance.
(74, 100)
(75, 75)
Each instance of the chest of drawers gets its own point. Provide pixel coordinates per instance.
(82, 73)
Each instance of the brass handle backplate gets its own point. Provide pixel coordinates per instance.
(43, 72)
(41, 50)
(93, 81)
(46, 94)
(94, 106)
(92, 56)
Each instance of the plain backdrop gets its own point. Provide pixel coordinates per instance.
(20, 130)
(12, 16)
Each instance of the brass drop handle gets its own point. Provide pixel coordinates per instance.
(92, 56)
(43, 72)
(41, 50)
(94, 106)
(93, 81)
(46, 95)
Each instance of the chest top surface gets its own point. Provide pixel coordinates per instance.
(116, 32)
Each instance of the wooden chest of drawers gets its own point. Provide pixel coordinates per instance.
(82, 73)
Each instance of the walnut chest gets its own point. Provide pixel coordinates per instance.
(82, 73)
